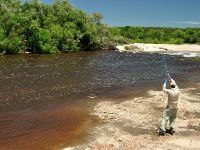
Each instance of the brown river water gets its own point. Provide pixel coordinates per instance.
(46, 100)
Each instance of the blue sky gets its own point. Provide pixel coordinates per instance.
(169, 13)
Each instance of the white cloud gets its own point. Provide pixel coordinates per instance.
(190, 22)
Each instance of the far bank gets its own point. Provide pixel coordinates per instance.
(144, 47)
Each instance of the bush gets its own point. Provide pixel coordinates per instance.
(48, 28)
(12, 45)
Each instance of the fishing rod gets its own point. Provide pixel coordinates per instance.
(166, 67)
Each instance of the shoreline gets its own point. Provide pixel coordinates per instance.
(132, 123)
(147, 47)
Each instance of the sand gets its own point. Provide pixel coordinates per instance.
(141, 47)
(132, 124)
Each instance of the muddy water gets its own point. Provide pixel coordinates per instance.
(45, 100)
(46, 128)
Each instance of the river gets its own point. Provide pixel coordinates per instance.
(46, 100)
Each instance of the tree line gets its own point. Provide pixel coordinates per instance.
(38, 27)
(130, 34)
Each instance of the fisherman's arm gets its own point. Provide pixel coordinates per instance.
(173, 82)
(165, 90)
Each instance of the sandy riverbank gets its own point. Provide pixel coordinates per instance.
(141, 47)
(131, 124)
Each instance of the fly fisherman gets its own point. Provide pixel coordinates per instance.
(170, 111)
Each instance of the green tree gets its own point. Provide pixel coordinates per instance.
(49, 28)
(155, 35)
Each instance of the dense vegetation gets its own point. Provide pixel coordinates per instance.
(37, 27)
(48, 28)
(130, 34)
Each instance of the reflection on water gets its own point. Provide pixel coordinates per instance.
(45, 99)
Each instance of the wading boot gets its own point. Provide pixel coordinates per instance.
(161, 133)
(170, 131)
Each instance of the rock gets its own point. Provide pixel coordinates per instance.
(92, 96)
